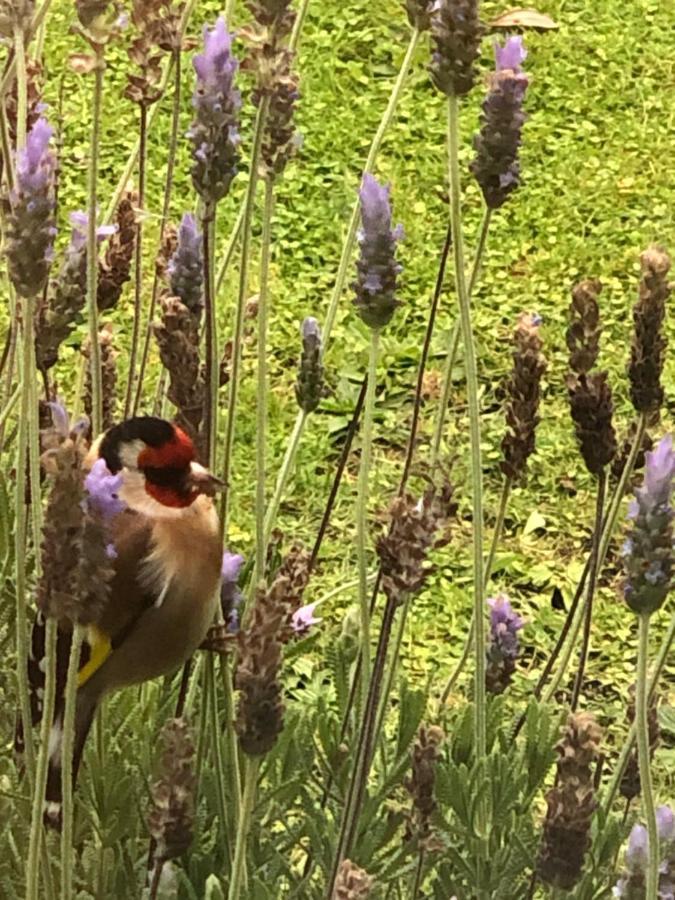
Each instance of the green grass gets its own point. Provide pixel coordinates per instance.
(597, 189)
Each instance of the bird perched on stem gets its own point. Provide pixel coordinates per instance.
(164, 555)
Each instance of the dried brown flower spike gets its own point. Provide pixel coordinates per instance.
(109, 378)
(114, 269)
(420, 785)
(417, 527)
(590, 395)
(260, 711)
(171, 817)
(649, 343)
(524, 392)
(352, 883)
(570, 804)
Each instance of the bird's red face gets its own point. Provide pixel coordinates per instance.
(158, 458)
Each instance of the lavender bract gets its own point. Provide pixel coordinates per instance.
(214, 132)
(230, 595)
(303, 619)
(30, 224)
(503, 643)
(377, 269)
(496, 167)
(186, 266)
(102, 489)
(648, 550)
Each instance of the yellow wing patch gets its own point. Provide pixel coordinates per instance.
(101, 648)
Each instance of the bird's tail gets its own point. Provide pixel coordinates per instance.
(84, 716)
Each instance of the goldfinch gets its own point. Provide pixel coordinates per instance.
(167, 572)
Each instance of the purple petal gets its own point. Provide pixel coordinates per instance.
(511, 55)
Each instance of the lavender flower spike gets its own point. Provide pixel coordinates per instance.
(30, 224)
(496, 167)
(230, 595)
(631, 885)
(377, 269)
(503, 643)
(186, 267)
(214, 132)
(648, 551)
(309, 388)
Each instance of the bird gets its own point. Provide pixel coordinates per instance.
(164, 593)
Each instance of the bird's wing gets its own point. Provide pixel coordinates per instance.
(129, 598)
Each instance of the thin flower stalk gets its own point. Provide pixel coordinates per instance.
(591, 585)
(70, 698)
(284, 474)
(166, 203)
(263, 386)
(464, 300)
(36, 828)
(138, 263)
(644, 760)
(451, 357)
(9, 72)
(235, 376)
(247, 807)
(92, 255)
(487, 573)
(362, 511)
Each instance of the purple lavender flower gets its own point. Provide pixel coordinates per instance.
(496, 167)
(309, 387)
(303, 619)
(30, 224)
(230, 596)
(648, 551)
(631, 886)
(214, 132)
(103, 488)
(186, 266)
(377, 269)
(503, 644)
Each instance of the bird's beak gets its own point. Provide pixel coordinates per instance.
(203, 482)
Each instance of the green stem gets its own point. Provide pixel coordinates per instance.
(474, 431)
(10, 68)
(642, 729)
(496, 537)
(138, 261)
(451, 357)
(21, 88)
(20, 527)
(36, 827)
(352, 228)
(231, 740)
(92, 255)
(297, 25)
(7, 151)
(249, 206)
(261, 400)
(230, 248)
(211, 337)
(592, 580)
(166, 204)
(392, 664)
(247, 806)
(362, 511)
(67, 764)
(284, 474)
(9, 406)
(613, 786)
(225, 823)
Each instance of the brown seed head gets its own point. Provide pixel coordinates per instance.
(649, 343)
(108, 377)
(583, 333)
(171, 816)
(352, 883)
(570, 804)
(420, 785)
(260, 710)
(114, 269)
(592, 407)
(523, 396)
(417, 527)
